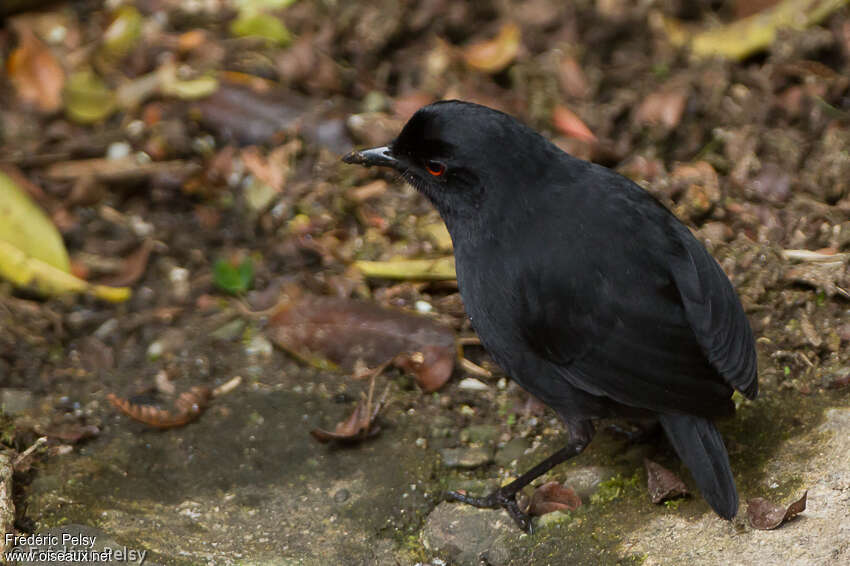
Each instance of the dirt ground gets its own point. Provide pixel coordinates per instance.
(190, 151)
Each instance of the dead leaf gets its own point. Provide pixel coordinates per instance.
(839, 382)
(552, 496)
(662, 483)
(36, 73)
(132, 267)
(248, 117)
(664, 107)
(359, 426)
(71, 433)
(745, 36)
(274, 169)
(495, 54)
(764, 515)
(432, 366)
(832, 277)
(334, 332)
(572, 78)
(365, 192)
(437, 269)
(569, 124)
(189, 406)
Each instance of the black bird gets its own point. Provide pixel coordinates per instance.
(585, 289)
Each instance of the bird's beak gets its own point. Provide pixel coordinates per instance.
(381, 156)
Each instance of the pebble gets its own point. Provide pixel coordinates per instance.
(259, 347)
(465, 457)
(512, 450)
(472, 384)
(118, 150)
(479, 434)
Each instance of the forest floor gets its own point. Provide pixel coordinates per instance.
(182, 156)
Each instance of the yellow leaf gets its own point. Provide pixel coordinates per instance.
(32, 253)
(87, 98)
(25, 226)
(495, 54)
(743, 37)
(439, 269)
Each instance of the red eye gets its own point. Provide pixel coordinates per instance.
(435, 168)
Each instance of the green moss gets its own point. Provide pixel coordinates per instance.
(615, 488)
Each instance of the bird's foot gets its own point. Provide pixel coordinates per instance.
(499, 498)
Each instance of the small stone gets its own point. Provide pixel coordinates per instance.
(466, 536)
(259, 347)
(552, 518)
(512, 450)
(118, 150)
(170, 341)
(465, 457)
(341, 496)
(106, 329)
(472, 384)
(180, 287)
(425, 307)
(585, 480)
(15, 401)
(479, 434)
(229, 331)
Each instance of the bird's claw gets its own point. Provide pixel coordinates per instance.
(498, 498)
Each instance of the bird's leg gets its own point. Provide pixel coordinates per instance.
(505, 497)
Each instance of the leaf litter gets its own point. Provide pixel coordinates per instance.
(663, 484)
(331, 332)
(766, 515)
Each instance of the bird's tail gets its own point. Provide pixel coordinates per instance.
(700, 446)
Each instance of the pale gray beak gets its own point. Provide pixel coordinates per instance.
(381, 156)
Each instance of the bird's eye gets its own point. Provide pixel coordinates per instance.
(435, 167)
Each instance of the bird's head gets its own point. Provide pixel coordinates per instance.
(452, 151)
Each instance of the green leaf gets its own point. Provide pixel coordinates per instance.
(233, 278)
(32, 253)
(87, 98)
(123, 33)
(258, 24)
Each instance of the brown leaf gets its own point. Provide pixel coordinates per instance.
(764, 515)
(249, 117)
(273, 169)
(572, 78)
(570, 124)
(71, 433)
(432, 366)
(132, 267)
(323, 330)
(359, 426)
(662, 483)
(552, 496)
(664, 107)
(495, 54)
(839, 382)
(36, 73)
(189, 406)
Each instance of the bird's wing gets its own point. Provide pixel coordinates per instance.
(716, 315)
(639, 313)
(630, 344)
